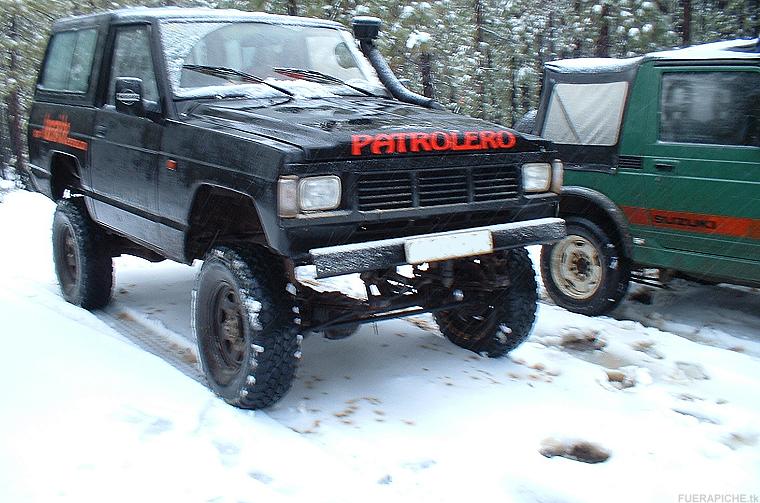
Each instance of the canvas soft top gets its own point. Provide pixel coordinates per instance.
(748, 49)
(610, 78)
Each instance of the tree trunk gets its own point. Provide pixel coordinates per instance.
(686, 22)
(577, 52)
(550, 49)
(479, 39)
(513, 71)
(13, 101)
(602, 49)
(426, 72)
(292, 8)
(5, 148)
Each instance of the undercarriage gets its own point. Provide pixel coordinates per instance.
(464, 285)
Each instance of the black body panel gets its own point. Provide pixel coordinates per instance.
(141, 175)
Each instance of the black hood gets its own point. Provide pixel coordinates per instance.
(354, 127)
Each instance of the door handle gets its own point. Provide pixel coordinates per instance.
(664, 167)
(101, 130)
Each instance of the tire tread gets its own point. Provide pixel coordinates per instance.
(96, 273)
(260, 276)
(518, 312)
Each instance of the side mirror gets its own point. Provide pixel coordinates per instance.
(129, 96)
(366, 28)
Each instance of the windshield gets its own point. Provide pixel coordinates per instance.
(259, 50)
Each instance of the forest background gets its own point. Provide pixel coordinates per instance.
(478, 57)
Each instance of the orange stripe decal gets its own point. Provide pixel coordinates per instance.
(57, 131)
(637, 216)
(702, 223)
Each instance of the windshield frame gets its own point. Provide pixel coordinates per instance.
(363, 65)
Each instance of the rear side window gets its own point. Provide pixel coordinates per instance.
(721, 108)
(585, 114)
(69, 61)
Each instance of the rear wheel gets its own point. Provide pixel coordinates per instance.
(81, 255)
(243, 322)
(585, 272)
(501, 317)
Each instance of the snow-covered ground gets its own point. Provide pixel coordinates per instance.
(669, 390)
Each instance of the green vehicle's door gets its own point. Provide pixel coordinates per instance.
(701, 168)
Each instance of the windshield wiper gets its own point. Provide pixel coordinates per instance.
(232, 75)
(319, 78)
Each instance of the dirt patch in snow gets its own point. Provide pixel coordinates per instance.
(577, 450)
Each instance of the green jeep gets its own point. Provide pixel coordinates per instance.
(662, 159)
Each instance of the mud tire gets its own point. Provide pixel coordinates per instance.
(613, 268)
(250, 351)
(81, 254)
(509, 317)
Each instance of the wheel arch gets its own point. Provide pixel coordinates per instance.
(65, 173)
(600, 209)
(219, 214)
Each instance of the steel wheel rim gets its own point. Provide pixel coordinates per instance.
(480, 312)
(465, 318)
(228, 333)
(576, 267)
(69, 260)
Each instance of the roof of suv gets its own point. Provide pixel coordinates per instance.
(747, 49)
(147, 14)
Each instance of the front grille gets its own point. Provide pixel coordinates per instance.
(441, 187)
(436, 187)
(385, 191)
(495, 184)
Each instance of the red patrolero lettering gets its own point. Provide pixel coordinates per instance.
(436, 141)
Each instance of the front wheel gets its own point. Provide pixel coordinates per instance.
(243, 322)
(501, 317)
(585, 272)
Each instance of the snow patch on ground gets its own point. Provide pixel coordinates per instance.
(395, 412)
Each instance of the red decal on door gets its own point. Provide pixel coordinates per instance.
(437, 141)
(57, 131)
(740, 227)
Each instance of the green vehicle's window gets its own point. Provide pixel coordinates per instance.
(69, 61)
(721, 108)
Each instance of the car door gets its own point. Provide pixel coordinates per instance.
(125, 150)
(703, 166)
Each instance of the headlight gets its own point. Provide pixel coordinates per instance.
(558, 175)
(319, 193)
(536, 176)
(307, 194)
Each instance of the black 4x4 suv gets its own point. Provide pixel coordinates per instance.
(259, 143)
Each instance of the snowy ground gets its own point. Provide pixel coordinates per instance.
(396, 413)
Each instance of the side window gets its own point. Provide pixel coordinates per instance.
(132, 58)
(720, 108)
(69, 61)
(585, 114)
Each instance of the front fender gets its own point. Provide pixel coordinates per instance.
(607, 206)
